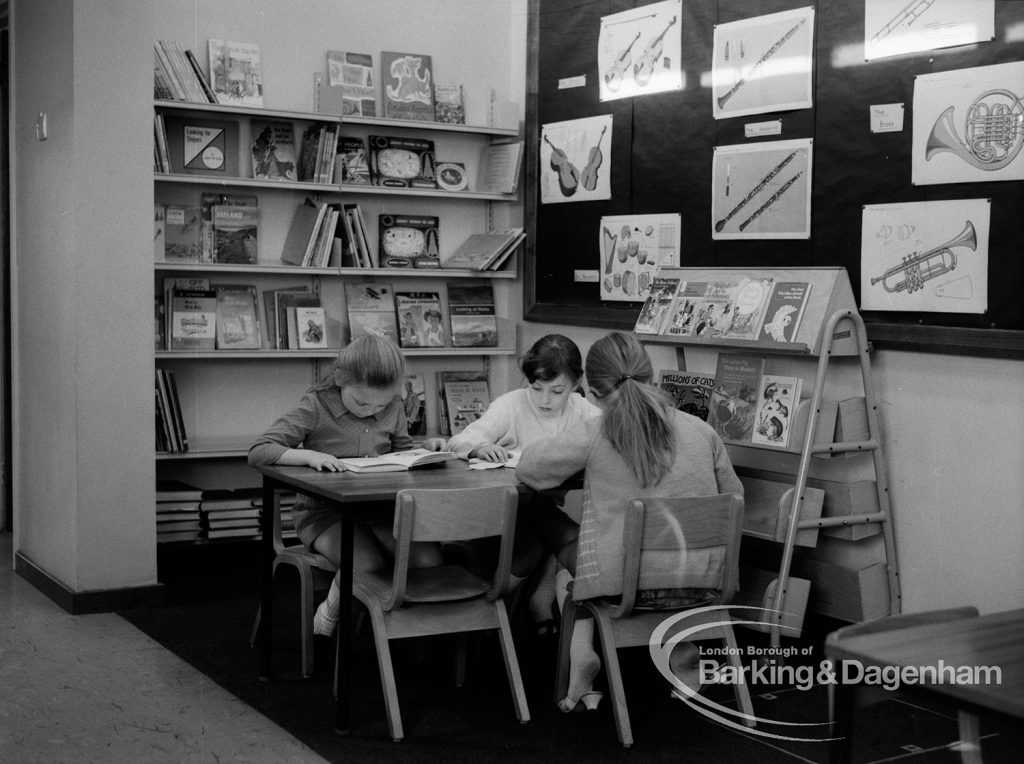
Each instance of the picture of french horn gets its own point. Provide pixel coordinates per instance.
(916, 268)
(993, 131)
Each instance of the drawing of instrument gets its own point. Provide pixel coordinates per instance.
(757, 64)
(754, 191)
(771, 200)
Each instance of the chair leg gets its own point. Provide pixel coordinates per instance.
(461, 648)
(740, 688)
(564, 647)
(970, 738)
(508, 650)
(387, 672)
(306, 614)
(256, 626)
(616, 688)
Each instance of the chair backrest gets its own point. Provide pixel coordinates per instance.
(434, 514)
(681, 543)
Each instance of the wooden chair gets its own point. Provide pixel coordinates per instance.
(654, 527)
(411, 602)
(970, 733)
(307, 563)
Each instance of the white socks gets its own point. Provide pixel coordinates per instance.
(325, 620)
(544, 594)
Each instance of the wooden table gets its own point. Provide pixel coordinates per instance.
(995, 640)
(345, 490)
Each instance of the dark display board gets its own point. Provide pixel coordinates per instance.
(661, 159)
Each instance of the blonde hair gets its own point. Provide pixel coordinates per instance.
(637, 417)
(369, 360)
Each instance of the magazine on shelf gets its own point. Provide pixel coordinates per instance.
(273, 150)
(784, 310)
(654, 314)
(689, 392)
(353, 74)
(397, 461)
(777, 401)
(748, 306)
(485, 251)
(420, 321)
(407, 84)
(236, 74)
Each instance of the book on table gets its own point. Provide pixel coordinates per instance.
(408, 86)
(472, 315)
(238, 326)
(784, 310)
(397, 461)
(236, 73)
(777, 401)
(733, 406)
(273, 150)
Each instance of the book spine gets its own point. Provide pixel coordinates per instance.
(200, 77)
(172, 76)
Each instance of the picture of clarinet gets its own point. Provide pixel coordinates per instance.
(754, 191)
(757, 64)
(771, 200)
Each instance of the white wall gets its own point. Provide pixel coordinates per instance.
(953, 430)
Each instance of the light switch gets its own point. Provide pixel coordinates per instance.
(41, 128)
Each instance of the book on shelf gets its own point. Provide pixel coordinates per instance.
(784, 311)
(397, 461)
(689, 392)
(202, 146)
(444, 377)
(235, 233)
(326, 152)
(734, 399)
(201, 78)
(211, 199)
(451, 176)
(302, 232)
(367, 254)
(273, 150)
(178, 525)
(172, 490)
(180, 76)
(418, 315)
(467, 401)
(472, 316)
(407, 83)
(165, 84)
(401, 162)
(414, 400)
(161, 154)
(485, 251)
(682, 315)
(654, 313)
(748, 306)
(238, 325)
(311, 328)
(219, 499)
(159, 323)
(236, 73)
(287, 302)
(193, 319)
(713, 312)
(159, 231)
(777, 400)
(352, 74)
(183, 233)
(355, 168)
(371, 310)
(449, 103)
(409, 241)
(500, 164)
(171, 283)
(270, 302)
(168, 410)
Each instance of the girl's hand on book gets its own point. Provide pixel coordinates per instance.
(435, 444)
(490, 452)
(324, 462)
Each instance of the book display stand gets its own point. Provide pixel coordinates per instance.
(818, 531)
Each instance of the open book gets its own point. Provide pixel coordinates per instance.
(512, 461)
(396, 462)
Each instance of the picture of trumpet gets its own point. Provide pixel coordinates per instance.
(993, 131)
(916, 268)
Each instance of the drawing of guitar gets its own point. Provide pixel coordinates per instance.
(613, 77)
(568, 175)
(589, 177)
(643, 71)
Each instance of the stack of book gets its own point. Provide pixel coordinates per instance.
(312, 240)
(170, 425)
(289, 312)
(177, 511)
(177, 75)
(319, 148)
(230, 513)
(286, 500)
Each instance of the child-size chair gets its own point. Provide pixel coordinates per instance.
(659, 536)
(306, 563)
(412, 602)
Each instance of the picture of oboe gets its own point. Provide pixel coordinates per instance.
(757, 64)
(754, 191)
(771, 200)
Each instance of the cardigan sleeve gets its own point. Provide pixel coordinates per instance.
(489, 428)
(289, 431)
(550, 462)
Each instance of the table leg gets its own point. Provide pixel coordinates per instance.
(343, 651)
(267, 555)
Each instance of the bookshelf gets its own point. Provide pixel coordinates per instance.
(818, 531)
(229, 396)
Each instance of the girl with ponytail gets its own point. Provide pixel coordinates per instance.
(640, 446)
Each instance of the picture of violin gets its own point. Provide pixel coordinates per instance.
(613, 77)
(643, 71)
(568, 175)
(589, 179)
